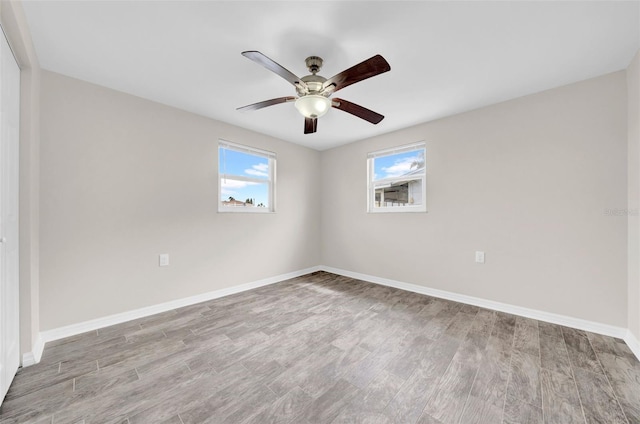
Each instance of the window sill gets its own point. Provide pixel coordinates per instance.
(245, 210)
(397, 210)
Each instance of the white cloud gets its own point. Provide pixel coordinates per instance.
(231, 184)
(259, 170)
(229, 187)
(255, 173)
(400, 167)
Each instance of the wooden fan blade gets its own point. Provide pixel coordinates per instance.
(367, 69)
(274, 67)
(310, 125)
(266, 103)
(357, 110)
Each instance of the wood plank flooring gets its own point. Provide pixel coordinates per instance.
(329, 349)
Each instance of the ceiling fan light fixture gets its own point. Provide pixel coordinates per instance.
(313, 91)
(313, 105)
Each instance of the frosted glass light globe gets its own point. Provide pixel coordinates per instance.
(313, 105)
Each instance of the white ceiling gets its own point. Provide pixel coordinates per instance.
(445, 57)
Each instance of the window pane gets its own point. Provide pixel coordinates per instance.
(232, 162)
(404, 193)
(244, 194)
(397, 179)
(398, 165)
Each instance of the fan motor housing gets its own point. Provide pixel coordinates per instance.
(314, 83)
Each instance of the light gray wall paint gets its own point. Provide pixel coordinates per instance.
(633, 160)
(124, 179)
(527, 181)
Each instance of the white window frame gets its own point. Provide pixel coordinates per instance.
(270, 181)
(371, 196)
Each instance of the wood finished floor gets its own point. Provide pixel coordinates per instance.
(328, 349)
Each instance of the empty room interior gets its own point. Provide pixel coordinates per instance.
(319, 212)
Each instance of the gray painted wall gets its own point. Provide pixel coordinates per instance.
(527, 181)
(124, 179)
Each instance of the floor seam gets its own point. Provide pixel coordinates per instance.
(506, 389)
(540, 372)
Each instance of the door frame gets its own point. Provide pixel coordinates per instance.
(9, 215)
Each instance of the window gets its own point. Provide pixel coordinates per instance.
(396, 179)
(246, 178)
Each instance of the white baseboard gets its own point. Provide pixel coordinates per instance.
(33, 357)
(633, 343)
(581, 324)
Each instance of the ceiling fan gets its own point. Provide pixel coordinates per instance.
(314, 91)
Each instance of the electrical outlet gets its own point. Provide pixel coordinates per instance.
(164, 259)
(480, 257)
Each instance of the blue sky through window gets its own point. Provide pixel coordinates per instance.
(238, 163)
(232, 163)
(396, 165)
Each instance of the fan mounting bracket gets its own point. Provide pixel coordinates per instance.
(314, 63)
